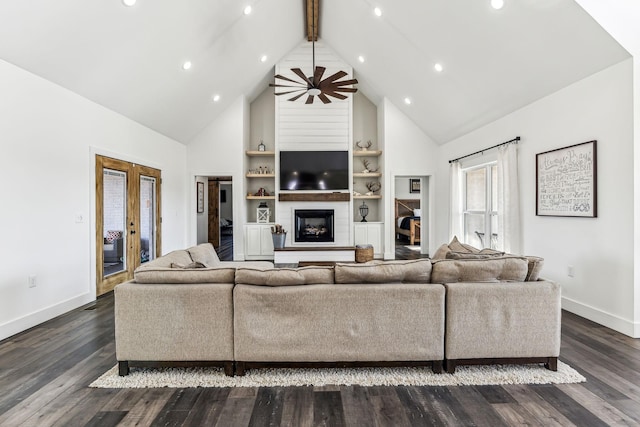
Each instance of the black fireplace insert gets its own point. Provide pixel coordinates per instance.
(314, 225)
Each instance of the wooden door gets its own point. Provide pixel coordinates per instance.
(214, 213)
(127, 220)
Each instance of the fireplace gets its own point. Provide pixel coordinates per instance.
(314, 225)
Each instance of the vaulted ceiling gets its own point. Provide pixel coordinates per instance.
(129, 59)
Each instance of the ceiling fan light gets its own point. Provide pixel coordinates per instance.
(313, 91)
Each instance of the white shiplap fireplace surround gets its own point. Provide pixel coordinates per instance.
(314, 127)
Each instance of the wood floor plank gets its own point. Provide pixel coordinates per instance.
(475, 403)
(327, 409)
(605, 411)
(267, 410)
(576, 413)
(540, 409)
(356, 406)
(297, 409)
(147, 408)
(236, 412)
(207, 409)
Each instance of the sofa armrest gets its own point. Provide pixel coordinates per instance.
(502, 320)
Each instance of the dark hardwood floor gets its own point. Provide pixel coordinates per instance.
(45, 371)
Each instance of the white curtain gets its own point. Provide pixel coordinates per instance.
(455, 204)
(509, 230)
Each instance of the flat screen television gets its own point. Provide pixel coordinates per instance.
(314, 170)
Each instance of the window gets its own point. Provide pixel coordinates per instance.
(480, 205)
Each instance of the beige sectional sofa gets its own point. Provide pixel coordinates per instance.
(455, 310)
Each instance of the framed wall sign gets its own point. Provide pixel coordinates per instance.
(566, 181)
(414, 185)
(200, 196)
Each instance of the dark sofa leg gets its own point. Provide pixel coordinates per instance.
(123, 368)
(436, 366)
(552, 364)
(450, 366)
(228, 369)
(240, 371)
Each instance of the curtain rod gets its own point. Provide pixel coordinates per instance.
(516, 139)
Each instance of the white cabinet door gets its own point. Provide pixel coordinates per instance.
(370, 233)
(258, 243)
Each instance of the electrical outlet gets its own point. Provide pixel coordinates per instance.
(570, 271)
(32, 281)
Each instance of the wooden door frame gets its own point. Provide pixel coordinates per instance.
(132, 222)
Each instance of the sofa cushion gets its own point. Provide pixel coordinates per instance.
(192, 265)
(204, 253)
(187, 275)
(534, 267)
(483, 254)
(495, 269)
(180, 257)
(285, 276)
(409, 271)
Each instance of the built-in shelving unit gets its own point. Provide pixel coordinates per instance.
(260, 173)
(360, 180)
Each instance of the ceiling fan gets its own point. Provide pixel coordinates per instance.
(314, 86)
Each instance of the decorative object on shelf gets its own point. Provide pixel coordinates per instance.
(263, 213)
(200, 197)
(279, 235)
(364, 147)
(364, 211)
(313, 86)
(261, 192)
(368, 168)
(566, 181)
(261, 146)
(356, 193)
(373, 186)
(414, 185)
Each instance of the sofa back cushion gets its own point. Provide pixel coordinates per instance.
(204, 253)
(285, 276)
(495, 269)
(180, 257)
(408, 271)
(162, 275)
(535, 266)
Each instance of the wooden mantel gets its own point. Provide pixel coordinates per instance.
(314, 197)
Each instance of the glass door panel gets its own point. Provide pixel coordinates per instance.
(114, 222)
(147, 218)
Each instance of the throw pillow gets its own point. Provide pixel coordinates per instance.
(457, 246)
(204, 253)
(534, 267)
(113, 235)
(191, 265)
(412, 271)
(441, 252)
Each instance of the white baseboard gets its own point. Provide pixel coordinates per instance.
(603, 318)
(13, 327)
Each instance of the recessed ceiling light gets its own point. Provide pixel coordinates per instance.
(377, 11)
(438, 67)
(407, 101)
(186, 65)
(129, 2)
(263, 58)
(216, 98)
(361, 58)
(497, 4)
(247, 10)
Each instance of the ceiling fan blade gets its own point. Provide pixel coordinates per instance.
(278, 76)
(309, 100)
(324, 98)
(335, 95)
(290, 91)
(341, 89)
(295, 98)
(300, 74)
(297, 86)
(345, 82)
(334, 77)
(317, 75)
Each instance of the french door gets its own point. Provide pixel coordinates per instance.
(127, 220)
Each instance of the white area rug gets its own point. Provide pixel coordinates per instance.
(214, 377)
(413, 247)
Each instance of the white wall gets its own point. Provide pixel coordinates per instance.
(218, 151)
(49, 137)
(620, 18)
(407, 152)
(600, 249)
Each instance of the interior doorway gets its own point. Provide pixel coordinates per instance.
(127, 220)
(215, 222)
(411, 216)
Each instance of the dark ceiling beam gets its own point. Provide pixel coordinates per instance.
(311, 25)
